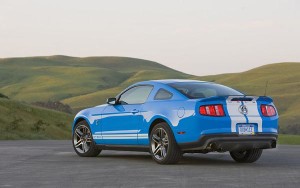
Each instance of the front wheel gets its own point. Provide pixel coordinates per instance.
(163, 146)
(83, 142)
(248, 156)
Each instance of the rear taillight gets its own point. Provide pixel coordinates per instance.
(267, 110)
(212, 110)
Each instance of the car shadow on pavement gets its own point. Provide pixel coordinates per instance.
(203, 159)
(187, 159)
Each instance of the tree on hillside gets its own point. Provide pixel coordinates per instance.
(3, 96)
(54, 105)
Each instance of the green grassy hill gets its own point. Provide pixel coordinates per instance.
(22, 121)
(60, 77)
(283, 86)
(83, 82)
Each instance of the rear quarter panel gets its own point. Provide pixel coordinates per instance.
(180, 115)
(183, 116)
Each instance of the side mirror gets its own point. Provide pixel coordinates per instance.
(111, 101)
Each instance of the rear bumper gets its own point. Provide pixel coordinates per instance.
(231, 142)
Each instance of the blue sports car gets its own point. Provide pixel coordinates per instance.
(171, 117)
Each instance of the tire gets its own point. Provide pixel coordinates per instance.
(163, 146)
(248, 156)
(83, 142)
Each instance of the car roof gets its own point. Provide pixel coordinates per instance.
(168, 81)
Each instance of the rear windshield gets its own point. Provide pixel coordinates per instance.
(196, 90)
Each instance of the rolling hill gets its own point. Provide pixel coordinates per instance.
(283, 85)
(33, 79)
(23, 121)
(83, 82)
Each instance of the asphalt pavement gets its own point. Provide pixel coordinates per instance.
(55, 164)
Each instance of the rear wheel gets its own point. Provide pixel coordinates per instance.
(83, 142)
(248, 156)
(163, 147)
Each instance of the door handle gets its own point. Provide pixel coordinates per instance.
(134, 111)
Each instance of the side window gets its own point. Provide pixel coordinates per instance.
(136, 95)
(163, 94)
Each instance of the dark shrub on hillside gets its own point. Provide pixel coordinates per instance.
(291, 129)
(40, 125)
(61, 125)
(54, 105)
(3, 96)
(14, 124)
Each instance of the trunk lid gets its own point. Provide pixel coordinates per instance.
(241, 109)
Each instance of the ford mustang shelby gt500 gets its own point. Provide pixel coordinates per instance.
(170, 117)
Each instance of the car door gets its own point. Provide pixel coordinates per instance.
(120, 122)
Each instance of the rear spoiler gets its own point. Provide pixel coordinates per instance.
(238, 98)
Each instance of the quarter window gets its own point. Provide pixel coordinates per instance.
(163, 94)
(136, 95)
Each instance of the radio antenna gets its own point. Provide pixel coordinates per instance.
(266, 87)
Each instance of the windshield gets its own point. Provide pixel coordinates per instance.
(196, 90)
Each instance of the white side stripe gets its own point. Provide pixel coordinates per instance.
(142, 135)
(119, 132)
(116, 135)
(120, 136)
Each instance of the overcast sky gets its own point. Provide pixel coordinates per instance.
(193, 36)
